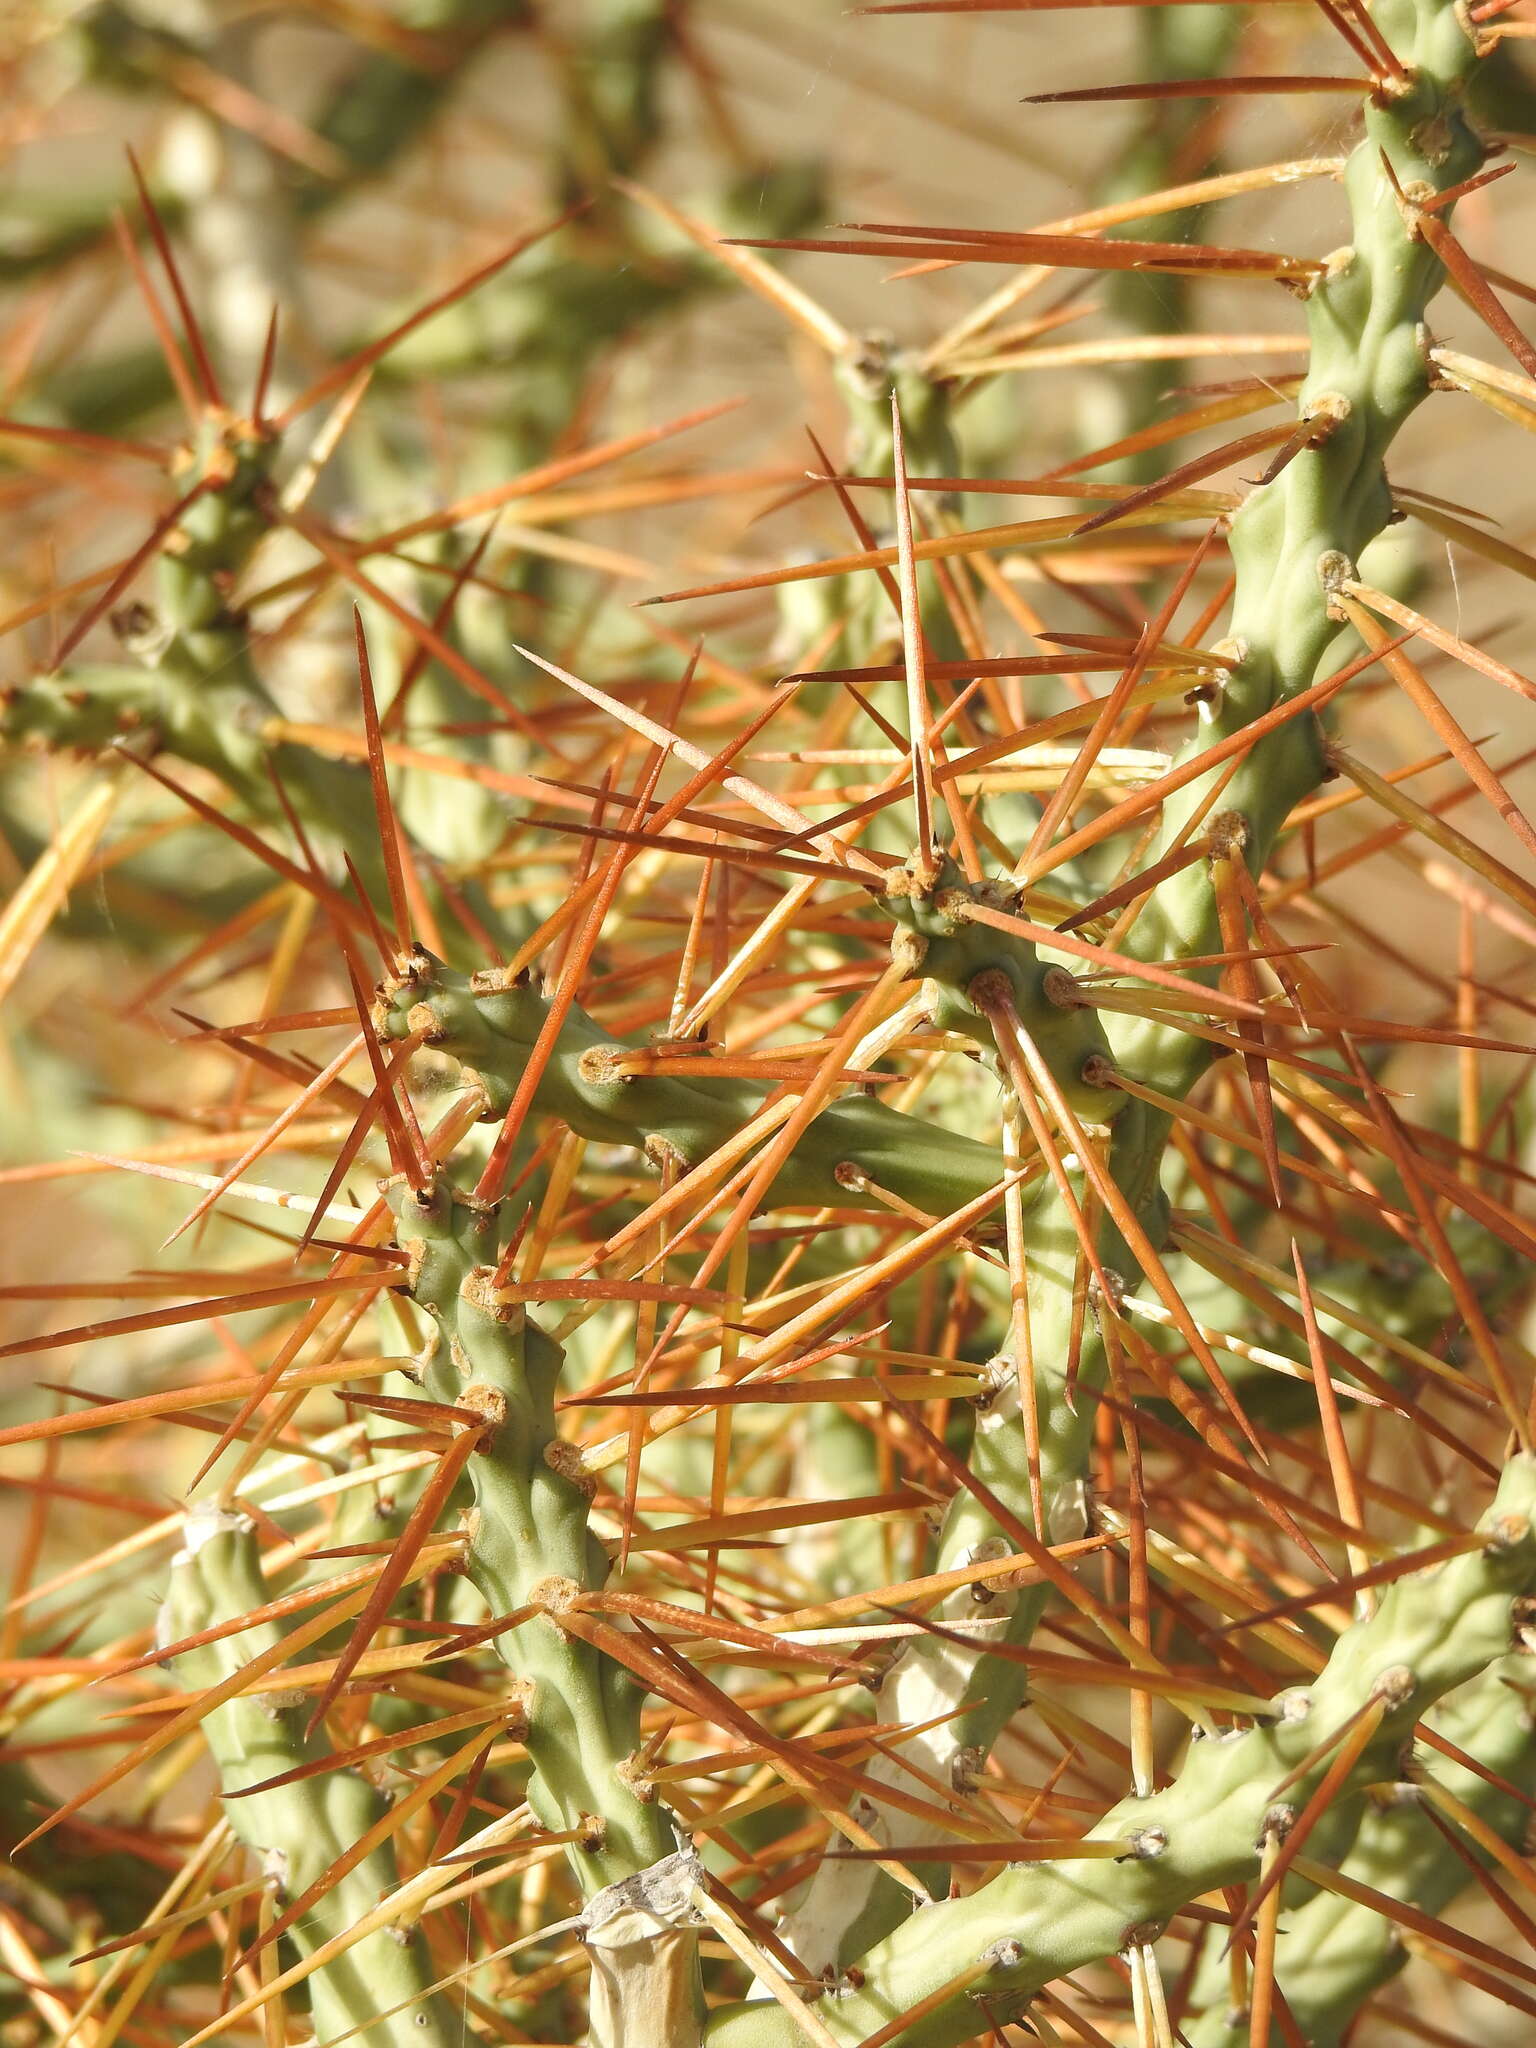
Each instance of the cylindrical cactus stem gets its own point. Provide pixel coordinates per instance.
(377, 1990)
(1290, 542)
(194, 693)
(491, 1030)
(530, 1548)
(879, 381)
(1295, 537)
(964, 1963)
(872, 373)
(1333, 1952)
(193, 690)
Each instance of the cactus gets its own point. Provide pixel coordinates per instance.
(216, 1578)
(871, 1401)
(1346, 1949)
(985, 1955)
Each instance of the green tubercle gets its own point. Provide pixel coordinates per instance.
(940, 940)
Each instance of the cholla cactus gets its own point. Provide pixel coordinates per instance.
(877, 1405)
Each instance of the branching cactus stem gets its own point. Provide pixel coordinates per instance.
(532, 1555)
(868, 1379)
(964, 1963)
(1293, 543)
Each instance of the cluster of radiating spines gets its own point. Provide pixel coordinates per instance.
(1064, 1051)
(1370, 366)
(600, 1088)
(191, 685)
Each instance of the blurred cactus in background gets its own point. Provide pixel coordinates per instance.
(811, 935)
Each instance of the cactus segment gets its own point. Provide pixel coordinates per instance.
(297, 1831)
(1432, 1632)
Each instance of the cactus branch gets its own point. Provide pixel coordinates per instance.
(963, 1962)
(1334, 1951)
(297, 1830)
(1291, 542)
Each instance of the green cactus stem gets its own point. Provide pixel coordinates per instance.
(530, 1550)
(1333, 1952)
(491, 1030)
(297, 1831)
(1291, 541)
(193, 689)
(1433, 1631)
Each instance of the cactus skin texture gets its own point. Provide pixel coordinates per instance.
(1334, 1952)
(1431, 1633)
(296, 1831)
(529, 1544)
